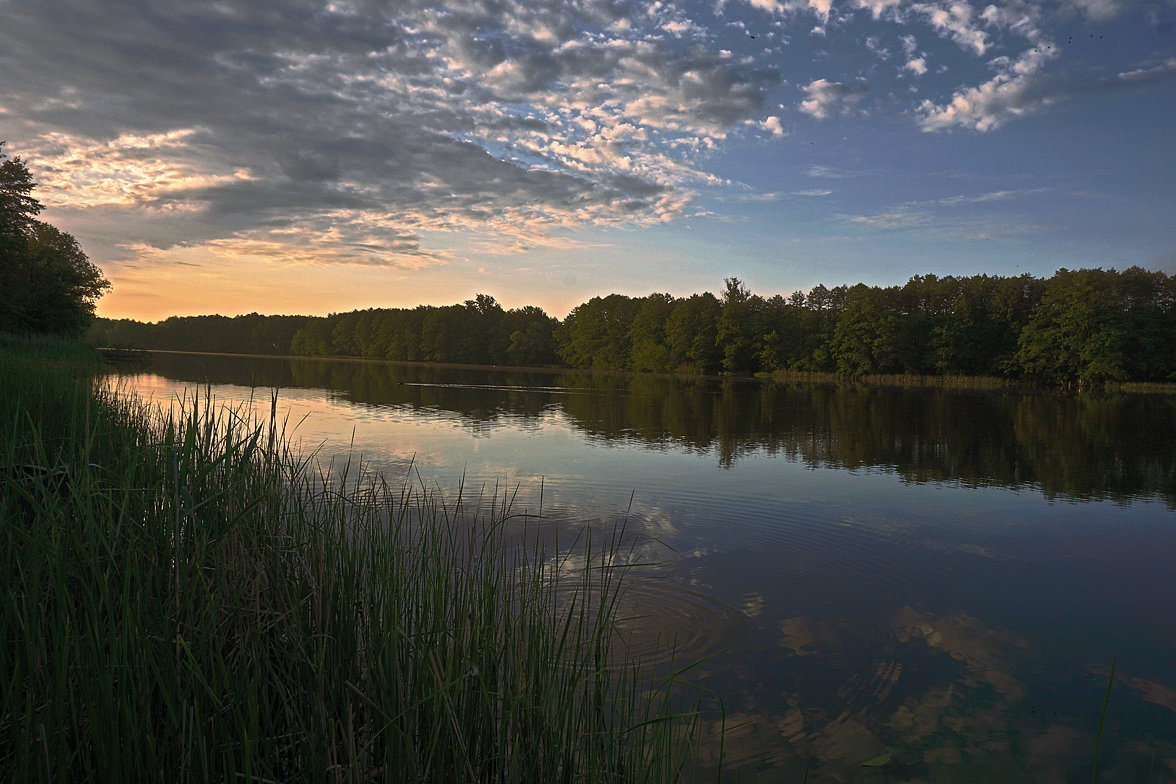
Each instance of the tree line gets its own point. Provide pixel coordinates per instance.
(478, 331)
(1088, 325)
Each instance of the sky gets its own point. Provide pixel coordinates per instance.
(302, 156)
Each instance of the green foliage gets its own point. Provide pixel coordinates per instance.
(692, 334)
(647, 334)
(597, 333)
(1088, 326)
(1097, 325)
(532, 337)
(866, 336)
(47, 284)
(736, 331)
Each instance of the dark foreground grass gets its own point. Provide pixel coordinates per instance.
(183, 599)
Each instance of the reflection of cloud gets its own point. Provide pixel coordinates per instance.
(753, 605)
(1151, 691)
(804, 637)
(964, 638)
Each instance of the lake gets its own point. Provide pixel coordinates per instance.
(934, 579)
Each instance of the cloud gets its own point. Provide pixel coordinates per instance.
(772, 125)
(823, 98)
(1164, 70)
(880, 8)
(891, 220)
(956, 20)
(990, 196)
(1013, 92)
(1097, 10)
(916, 64)
(785, 8)
(364, 125)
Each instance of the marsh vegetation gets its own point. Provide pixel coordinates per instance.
(185, 598)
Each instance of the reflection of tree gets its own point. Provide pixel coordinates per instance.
(1075, 446)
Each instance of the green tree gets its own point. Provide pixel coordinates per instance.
(596, 333)
(691, 334)
(647, 334)
(824, 308)
(783, 343)
(1079, 331)
(866, 337)
(47, 284)
(737, 329)
(531, 338)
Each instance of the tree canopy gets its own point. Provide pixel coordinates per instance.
(1083, 326)
(47, 284)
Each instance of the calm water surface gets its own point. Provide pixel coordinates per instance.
(940, 576)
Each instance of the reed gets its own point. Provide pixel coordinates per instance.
(184, 598)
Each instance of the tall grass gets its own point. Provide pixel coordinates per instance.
(182, 598)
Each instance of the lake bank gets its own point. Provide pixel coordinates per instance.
(780, 376)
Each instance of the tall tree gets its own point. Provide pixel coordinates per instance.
(647, 334)
(47, 284)
(737, 328)
(691, 334)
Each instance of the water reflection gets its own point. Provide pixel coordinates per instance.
(1084, 447)
(955, 626)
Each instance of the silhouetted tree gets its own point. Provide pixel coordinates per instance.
(47, 284)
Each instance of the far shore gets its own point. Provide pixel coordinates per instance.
(780, 376)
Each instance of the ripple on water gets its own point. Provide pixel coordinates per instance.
(657, 622)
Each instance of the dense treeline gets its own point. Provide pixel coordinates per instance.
(1078, 326)
(1084, 325)
(476, 332)
(479, 331)
(249, 334)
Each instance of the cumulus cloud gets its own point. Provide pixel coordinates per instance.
(1012, 92)
(772, 125)
(823, 98)
(880, 8)
(915, 62)
(366, 124)
(788, 7)
(956, 20)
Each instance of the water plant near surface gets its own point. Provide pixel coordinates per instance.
(185, 598)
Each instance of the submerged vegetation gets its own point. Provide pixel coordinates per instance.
(186, 599)
(1088, 326)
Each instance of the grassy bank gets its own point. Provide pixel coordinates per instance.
(910, 380)
(185, 599)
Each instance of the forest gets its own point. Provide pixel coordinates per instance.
(1078, 326)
